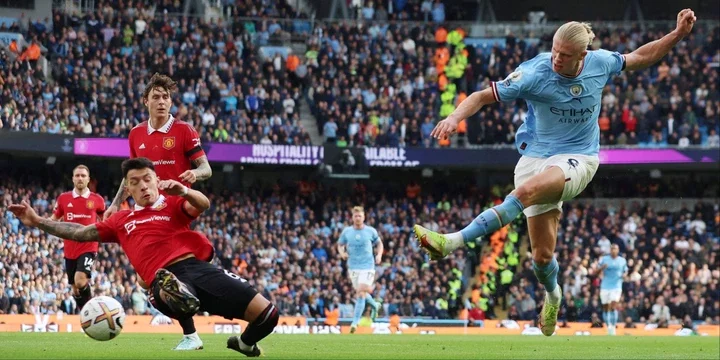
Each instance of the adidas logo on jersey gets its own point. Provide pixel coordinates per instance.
(70, 205)
(142, 146)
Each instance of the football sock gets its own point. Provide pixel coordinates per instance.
(547, 275)
(188, 326)
(369, 300)
(606, 318)
(359, 308)
(487, 222)
(614, 317)
(83, 296)
(263, 326)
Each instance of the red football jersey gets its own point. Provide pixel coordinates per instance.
(155, 235)
(80, 209)
(171, 148)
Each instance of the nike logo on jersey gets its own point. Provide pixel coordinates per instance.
(142, 146)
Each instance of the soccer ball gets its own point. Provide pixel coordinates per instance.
(102, 318)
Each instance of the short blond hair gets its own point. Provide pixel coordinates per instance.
(578, 34)
(358, 209)
(82, 167)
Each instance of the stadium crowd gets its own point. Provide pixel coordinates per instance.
(673, 274)
(380, 84)
(99, 63)
(282, 239)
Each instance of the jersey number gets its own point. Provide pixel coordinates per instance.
(234, 276)
(89, 263)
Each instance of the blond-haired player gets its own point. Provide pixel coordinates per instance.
(356, 244)
(559, 141)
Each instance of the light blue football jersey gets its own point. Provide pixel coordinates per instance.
(360, 244)
(563, 112)
(613, 273)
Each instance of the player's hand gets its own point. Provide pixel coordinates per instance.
(378, 259)
(685, 21)
(110, 211)
(25, 213)
(444, 129)
(172, 187)
(343, 256)
(188, 176)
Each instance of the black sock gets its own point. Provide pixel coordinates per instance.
(188, 325)
(83, 296)
(262, 327)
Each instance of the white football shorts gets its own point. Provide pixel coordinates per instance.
(579, 171)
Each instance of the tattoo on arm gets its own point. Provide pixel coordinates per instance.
(119, 197)
(70, 231)
(203, 170)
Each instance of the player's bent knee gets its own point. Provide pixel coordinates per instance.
(256, 306)
(81, 280)
(542, 256)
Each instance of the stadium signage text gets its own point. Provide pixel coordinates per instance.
(48, 144)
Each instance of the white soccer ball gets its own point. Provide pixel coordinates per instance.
(102, 318)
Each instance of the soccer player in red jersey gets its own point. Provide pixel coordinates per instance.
(80, 206)
(167, 255)
(173, 146)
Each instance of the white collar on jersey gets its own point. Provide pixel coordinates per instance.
(85, 194)
(164, 129)
(157, 203)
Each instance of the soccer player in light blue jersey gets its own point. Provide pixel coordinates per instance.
(614, 268)
(356, 244)
(559, 141)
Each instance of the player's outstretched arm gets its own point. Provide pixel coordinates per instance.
(64, 230)
(653, 51)
(467, 108)
(119, 198)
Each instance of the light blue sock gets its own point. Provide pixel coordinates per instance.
(493, 219)
(359, 308)
(614, 317)
(369, 300)
(606, 318)
(547, 274)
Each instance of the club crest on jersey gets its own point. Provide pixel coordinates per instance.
(160, 206)
(576, 90)
(90, 204)
(514, 76)
(168, 142)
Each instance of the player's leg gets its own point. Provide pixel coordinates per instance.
(355, 276)
(81, 277)
(605, 302)
(613, 313)
(191, 340)
(542, 229)
(178, 300)
(226, 294)
(176, 294)
(542, 188)
(363, 282)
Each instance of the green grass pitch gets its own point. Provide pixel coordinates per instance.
(158, 346)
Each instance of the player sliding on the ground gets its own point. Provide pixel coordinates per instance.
(559, 141)
(166, 254)
(356, 244)
(173, 146)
